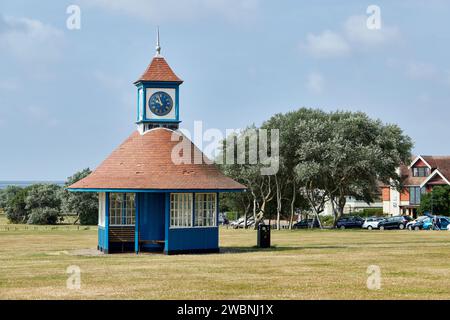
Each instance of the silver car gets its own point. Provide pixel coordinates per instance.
(371, 223)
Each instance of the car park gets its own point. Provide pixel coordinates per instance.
(306, 223)
(436, 223)
(417, 224)
(396, 222)
(240, 223)
(372, 223)
(347, 222)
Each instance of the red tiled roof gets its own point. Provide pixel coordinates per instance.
(159, 70)
(408, 178)
(144, 162)
(442, 163)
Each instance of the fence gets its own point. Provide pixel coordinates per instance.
(45, 228)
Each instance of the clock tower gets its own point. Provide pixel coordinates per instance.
(158, 95)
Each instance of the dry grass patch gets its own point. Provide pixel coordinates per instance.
(329, 264)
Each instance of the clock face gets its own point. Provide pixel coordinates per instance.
(160, 103)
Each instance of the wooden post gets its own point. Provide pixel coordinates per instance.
(167, 221)
(106, 237)
(136, 223)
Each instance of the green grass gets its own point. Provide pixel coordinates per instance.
(328, 264)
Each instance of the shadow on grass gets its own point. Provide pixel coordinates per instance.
(276, 248)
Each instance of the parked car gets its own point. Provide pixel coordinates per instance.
(349, 222)
(239, 223)
(417, 224)
(306, 223)
(397, 222)
(371, 223)
(436, 223)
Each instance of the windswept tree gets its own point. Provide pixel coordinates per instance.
(241, 159)
(83, 204)
(349, 154)
(287, 188)
(324, 157)
(14, 205)
(43, 204)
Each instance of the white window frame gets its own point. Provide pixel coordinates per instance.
(205, 212)
(101, 209)
(181, 205)
(123, 210)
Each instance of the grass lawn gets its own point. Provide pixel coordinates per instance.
(329, 264)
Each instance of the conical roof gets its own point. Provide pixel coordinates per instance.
(159, 71)
(145, 162)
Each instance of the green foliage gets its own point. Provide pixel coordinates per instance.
(43, 204)
(83, 204)
(44, 215)
(15, 205)
(327, 156)
(437, 201)
(327, 220)
(370, 212)
(346, 154)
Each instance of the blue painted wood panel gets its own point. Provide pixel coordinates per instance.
(101, 238)
(151, 217)
(193, 239)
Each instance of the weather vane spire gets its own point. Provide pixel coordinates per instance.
(158, 47)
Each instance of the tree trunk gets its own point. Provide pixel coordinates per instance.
(278, 191)
(338, 207)
(292, 205)
(333, 208)
(316, 214)
(245, 220)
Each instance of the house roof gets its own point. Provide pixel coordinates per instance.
(159, 71)
(145, 162)
(440, 163)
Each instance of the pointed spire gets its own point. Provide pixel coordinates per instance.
(158, 47)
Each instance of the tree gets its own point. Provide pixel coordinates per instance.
(325, 156)
(436, 201)
(14, 204)
(238, 158)
(43, 204)
(83, 204)
(348, 154)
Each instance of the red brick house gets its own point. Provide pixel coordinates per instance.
(418, 177)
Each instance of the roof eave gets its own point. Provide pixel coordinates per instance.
(152, 190)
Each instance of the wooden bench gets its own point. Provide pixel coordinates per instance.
(152, 241)
(126, 234)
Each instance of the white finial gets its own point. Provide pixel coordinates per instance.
(158, 47)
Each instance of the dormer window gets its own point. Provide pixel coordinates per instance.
(421, 172)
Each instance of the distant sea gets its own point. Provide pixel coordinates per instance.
(25, 183)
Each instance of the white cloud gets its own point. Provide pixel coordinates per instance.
(173, 10)
(315, 82)
(356, 31)
(354, 36)
(327, 44)
(29, 40)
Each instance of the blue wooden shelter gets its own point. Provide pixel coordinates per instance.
(154, 193)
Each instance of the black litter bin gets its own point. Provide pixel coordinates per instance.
(263, 236)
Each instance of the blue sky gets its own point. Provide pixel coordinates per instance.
(67, 98)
